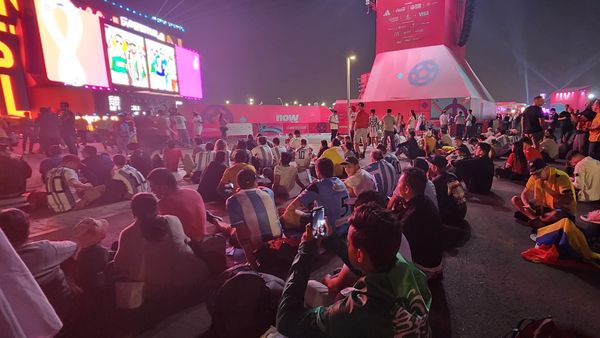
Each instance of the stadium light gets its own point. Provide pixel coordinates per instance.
(227, 102)
(287, 104)
(295, 102)
(591, 96)
(323, 104)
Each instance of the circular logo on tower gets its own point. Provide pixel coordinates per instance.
(423, 73)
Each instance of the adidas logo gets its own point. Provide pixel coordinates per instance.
(387, 13)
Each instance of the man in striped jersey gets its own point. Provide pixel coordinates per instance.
(277, 150)
(263, 153)
(202, 159)
(65, 190)
(133, 179)
(304, 156)
(253, 215)
(384, 173)
(391, 158)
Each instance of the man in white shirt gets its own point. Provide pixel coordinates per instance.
(277, 150)
(359, 180)
(295, 142)
(133, 180)
(182, 131)
(444, 119)
(586, 177)
(304, 156)
(334, 121)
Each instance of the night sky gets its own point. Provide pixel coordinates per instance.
(296, 49)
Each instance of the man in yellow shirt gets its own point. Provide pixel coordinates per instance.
(336, 155)
(240, 162)
(551, 191)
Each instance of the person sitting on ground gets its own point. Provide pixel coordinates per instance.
(410, 147)
(202, 159)
(296, 140)
(549, 147)
(43, 259)
(65, 190)
(96, 168)
(336, 155)
(277, 150)
(157, 162)
(430, 190)
(446, 139)
(186, 204)
(209, 180)
(384, 173)
(420, 221)
(140, 160)
(286, 177)
(250, 142)
(429, 143)
(241, 145)
(329, 192)
(359, 180)
(221, 145)
(531, 153)
(450, 193)
(253, 215)
(324, 146)
(52, 160)
(132, 178)
(391, 158)
(263, 153)
(14, 173)
(374, 307)
(516, 167)
(91, 258)
(348, 148)
(154, 250)
(303, 155)
(586, 176)
(172, 156)
(548, 196)
(229, 180)
(478, 172)
(198, 146)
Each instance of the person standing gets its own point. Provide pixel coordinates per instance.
(164, 128)
(361, 133)
(81, 125)
(49, 129)
(198, 125)
(471, 124)
(389, 123)
(444, 120)
(533, 121)
(182, 130)
(460, 125)
(566, 125)
(401, 124)
(27, 128)
(351, 119)
(67, 127)
(594, 130)
(124, 131)
(373, 128)
(412, 122)
(334, 121)
(223, 126)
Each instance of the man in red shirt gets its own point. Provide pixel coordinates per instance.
(186, 204)
(361, 125)
(172, 156)
(531, 153)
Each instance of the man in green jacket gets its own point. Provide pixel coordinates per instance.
(391, 299)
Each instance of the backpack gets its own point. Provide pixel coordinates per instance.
(243, 303)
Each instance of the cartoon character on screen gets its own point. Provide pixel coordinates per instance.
(135, 65)
(172, 74)
(158, 66)
(117, 49)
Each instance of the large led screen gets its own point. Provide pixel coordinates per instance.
(163, 70)
(188, 69)
(127, 57)
(71, 44)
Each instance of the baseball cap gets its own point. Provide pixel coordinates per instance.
(438, 161)
(536, 165)
(350, 160)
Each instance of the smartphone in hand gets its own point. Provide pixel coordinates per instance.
(318, 222)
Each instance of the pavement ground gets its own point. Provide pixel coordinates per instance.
(488, 287)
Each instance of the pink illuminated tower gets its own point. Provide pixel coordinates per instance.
(420, 47)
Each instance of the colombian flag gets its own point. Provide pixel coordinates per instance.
(562, 244)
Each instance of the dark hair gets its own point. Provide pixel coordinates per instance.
(325, 167)
(296, 132)
(220, 156)
(119, 159)
(361, 104)
(373, 111)
(473, 140)
(377, 155)
(262, 140)
(241, 144)
(350, 146)
(486, 147)
(324, 144)
(377, 231)
(162, 176)
(15, 225)
(210, 146)
(388, 110)
(412, 134)
(53, 150)
(421, 163)
(538, 97)
(286, 158)
(526, 140)
(91, 150)
(415, 179)
(336, 142)
(144, 207)
(246, 179)
(303, 142)
(412, 112)
(370, 196)
(276, 141)
(240, 156)
(381, 147)
(519, 154)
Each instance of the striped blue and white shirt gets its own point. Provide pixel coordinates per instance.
(62, 196)
(385, 175)
(203, 158)
(255, 208)
(395, 162)
(264, 154)
(133, 179)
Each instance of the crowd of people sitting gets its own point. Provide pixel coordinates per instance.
(383, 221)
